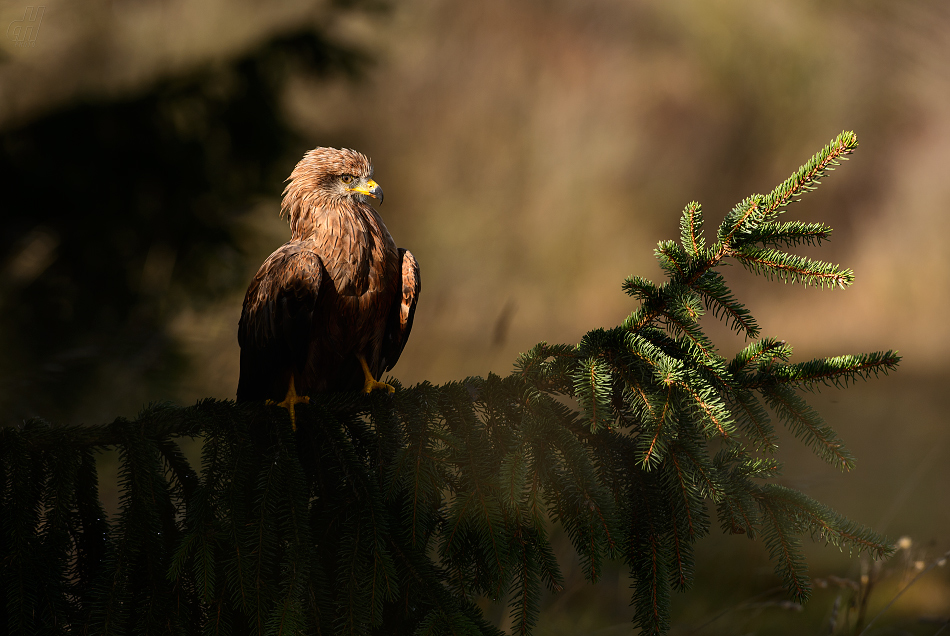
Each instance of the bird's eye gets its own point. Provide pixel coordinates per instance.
(348, 178)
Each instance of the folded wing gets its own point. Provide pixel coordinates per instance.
(403, 309)
(277, 322)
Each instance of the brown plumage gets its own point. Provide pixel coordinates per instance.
(339, 290)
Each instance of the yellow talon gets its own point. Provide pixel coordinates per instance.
(290, 401)
(371, 384)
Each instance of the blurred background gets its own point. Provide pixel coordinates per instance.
(532, 155)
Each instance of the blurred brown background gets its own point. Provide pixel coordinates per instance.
(532, 155)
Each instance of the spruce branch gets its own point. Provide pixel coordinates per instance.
(724, 306)
(593, 387)
(790, 268)
(758, 209)
(808, 177)
(691, 229)
(758, 354)
(837, 372)
(807, 425)
(785, 548)
(745, 219)
(754, 421)
(824, 524)
(716, 419)
(747, 214)
(790, 234)
(656, 434)
(389, 514)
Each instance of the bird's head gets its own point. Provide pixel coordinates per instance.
(330, 177)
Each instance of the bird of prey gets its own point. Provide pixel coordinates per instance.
(332, 308)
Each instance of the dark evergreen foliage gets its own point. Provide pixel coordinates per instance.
(391, 515)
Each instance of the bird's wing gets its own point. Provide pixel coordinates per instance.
(276, 321)
(403, 309)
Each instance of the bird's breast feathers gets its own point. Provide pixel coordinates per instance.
(357, 250)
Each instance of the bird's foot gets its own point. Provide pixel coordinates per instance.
(371, 384)
(290, 401)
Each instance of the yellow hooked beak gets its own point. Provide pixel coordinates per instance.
(369, 188)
